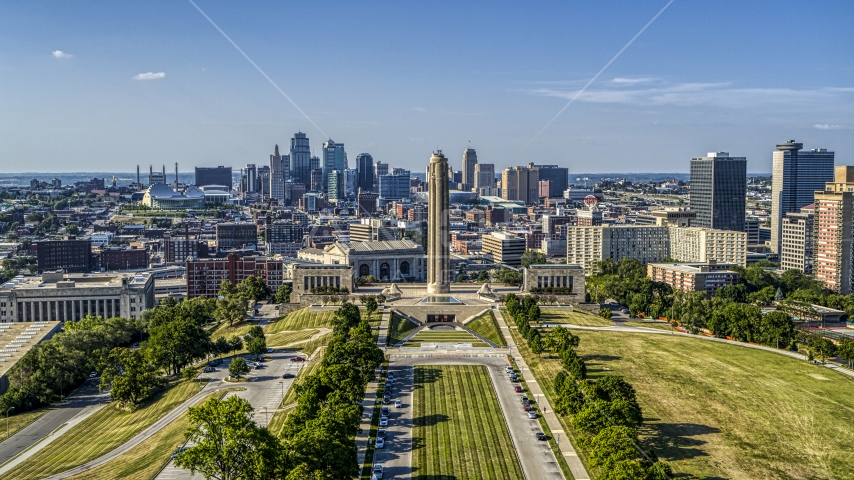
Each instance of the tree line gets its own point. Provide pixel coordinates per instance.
(317, 439)
(604, 411)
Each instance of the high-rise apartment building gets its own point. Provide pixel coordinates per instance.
(335, 186)
(558, 176)
(334, 158)
(719, 191)
(484, 176)
(365, 172)
(833, 263)
(520, 183)
(278, 173)
(797, 240)
(469, 162)
(300, 157)
(795, 176)
(214, 176)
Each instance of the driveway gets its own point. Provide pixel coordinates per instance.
(536, 458)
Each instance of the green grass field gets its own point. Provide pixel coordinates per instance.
(427, 336)
(144, 461)
(399, 328)
(291, 394)
(17, 422)
(486, 326)
(304, 318)
(287, 337)
(103, 431)
(714, 410)
(580, 318)
(656, 325)
(458, 429)
(223, 330)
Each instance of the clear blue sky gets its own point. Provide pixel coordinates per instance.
(399, 79)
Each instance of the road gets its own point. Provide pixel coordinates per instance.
(86, 395)
(536, 458)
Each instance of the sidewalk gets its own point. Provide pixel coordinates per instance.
(566, 448)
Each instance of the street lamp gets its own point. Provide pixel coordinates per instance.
(7, 420)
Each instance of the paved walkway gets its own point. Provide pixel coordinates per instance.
(576, 466)
(81, 403)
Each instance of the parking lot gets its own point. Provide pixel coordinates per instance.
(536, 458)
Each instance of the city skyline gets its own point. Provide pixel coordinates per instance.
(89, 82)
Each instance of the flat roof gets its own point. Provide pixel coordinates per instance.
(17, 338)
(80, 279)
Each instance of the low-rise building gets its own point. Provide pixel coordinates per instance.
(236, 235)
(306, 276)
(693, 277)
(565, 280)
(71, 254)
(124, 258)
(69, 297)
(505, 248)
(392, 261)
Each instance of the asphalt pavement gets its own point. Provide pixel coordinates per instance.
(86, 395)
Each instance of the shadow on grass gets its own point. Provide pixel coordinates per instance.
(429, 420)
(427, 375)
(674, 441)
(601, 358)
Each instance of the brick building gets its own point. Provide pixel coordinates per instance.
(124, 258)
(71, 254)
(204, 276)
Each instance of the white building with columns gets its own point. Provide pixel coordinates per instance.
(387, 261)
(55, 296)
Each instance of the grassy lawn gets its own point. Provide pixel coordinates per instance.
(144, 461)
(399, 328)
(458, 430)
(486, 326)
(226, 331)
(722, 411)
(582, 319)
(287, 337)
(103, 431)
(426, 336)
(302, 319)
(291, 394)
(658, 325)
(17, 422)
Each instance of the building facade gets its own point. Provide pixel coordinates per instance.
(388, 261)
(124, 258)
(795, 176)
(205, 276)
(71, 254)
(235, 235)
(797, 241)
(833, 263)
(214, 176)
(365, 172)
(484, 176)
(520, 183)
(307, 276)
(719, 191)
(557, 176)
(59, 297)
(693, 277)
(555, 279)
(334, 158)
(278, 173)
(469, 165)
(504, 248)
(695, 244)
(395, 186)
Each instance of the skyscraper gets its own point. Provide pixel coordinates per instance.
(833, 262)
(300, 170)
(278, 172)
(395, 186)
(335, 187)
(380, 169)
(469, 162)
(795, 176)
(334, 158)
(719, 190)
(559, 176)
(520, 183)
(365, 172)
(214, 176)
(484, 176)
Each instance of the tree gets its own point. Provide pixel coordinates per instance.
(238, 367)
(235, 343)
(173, 345)
(190, 373)
(253, 288)
(256, 345)
(226, 289)
(72, 229)
(612, 445)
(508, 276)
(536, 344)
(283, 294)
(231, 309)
(605, 313)
(531, 257)
(256, 332)
(370, 306)
(228, 445)
(129, 376)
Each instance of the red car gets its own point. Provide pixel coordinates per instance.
(527, 407)
(517, 388)
(297, 359)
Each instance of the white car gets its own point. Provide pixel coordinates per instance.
(398, 404)
(532, 415)
(378, 471)
(383, 421)
(380, 443)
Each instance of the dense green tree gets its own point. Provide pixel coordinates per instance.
(605, 313)
(173, 345)
(129, 376)
(283, 294)
(231, 309)
(370, 306)
(226, 289)
(533, 257)
(256, 331)
(237, 368)
(256, 345)
(228, 445)
(611, 446)
(253, 288)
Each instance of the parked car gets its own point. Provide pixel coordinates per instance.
(515, 379)
(527, 407)
(532, 414)
(381, 433)
(176, 452)
(270, 350)
(541, 436)
(383, 421)
(93, 374)
(384, 411)
(625, 310)
(378, 471)
(297, 359)
(380, 443)
(398, 404)
(517, 388)
(287, 375)
(386, 399)
(209, 369)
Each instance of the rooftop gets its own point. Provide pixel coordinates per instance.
(16, 339)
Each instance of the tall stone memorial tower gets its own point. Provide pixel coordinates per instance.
(438, 228)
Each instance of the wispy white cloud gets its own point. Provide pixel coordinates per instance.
(826, 126)
(419, 109)
(150, 76)
(632, 81)
(61, 54)
(723, 94)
